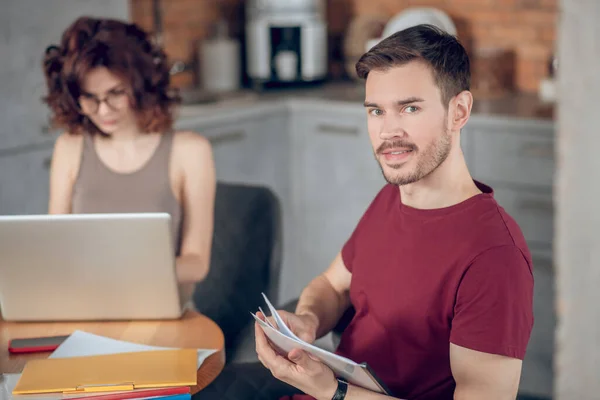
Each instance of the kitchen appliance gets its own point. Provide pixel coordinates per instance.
(286, 42)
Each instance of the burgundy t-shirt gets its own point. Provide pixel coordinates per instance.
(422, 279)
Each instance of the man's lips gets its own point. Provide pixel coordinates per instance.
(395, 151)
(396, 155)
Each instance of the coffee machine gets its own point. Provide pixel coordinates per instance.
(286, 42)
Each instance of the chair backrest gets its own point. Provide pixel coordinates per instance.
(245, 256)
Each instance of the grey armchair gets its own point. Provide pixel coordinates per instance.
(245, 261)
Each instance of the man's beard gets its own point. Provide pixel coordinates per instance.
(428, 160)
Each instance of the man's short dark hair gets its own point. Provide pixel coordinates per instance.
(441, 51)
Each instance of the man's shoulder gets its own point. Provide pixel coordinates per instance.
(497, 228)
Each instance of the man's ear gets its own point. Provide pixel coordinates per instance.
(459, 110)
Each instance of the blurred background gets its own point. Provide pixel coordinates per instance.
(272, 84)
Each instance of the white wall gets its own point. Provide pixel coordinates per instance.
(578, 202)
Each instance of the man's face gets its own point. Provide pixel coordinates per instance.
(407, 122)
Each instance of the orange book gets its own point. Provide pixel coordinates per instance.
(112, 372)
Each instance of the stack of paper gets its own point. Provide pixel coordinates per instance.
(95, 367)
(87, 344)
(283, 338)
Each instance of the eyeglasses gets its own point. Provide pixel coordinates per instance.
(115, 99)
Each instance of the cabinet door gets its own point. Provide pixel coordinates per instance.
(533, 211)
(31, 26)
(537, 372)
(251, 151)
(336, 177)
(508, 152)
(24, 182)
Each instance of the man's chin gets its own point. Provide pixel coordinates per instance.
(397, 175)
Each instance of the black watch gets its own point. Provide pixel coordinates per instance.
(342, 388)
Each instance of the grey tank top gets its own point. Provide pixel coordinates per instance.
(98, 189)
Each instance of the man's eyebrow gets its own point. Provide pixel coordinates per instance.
(402, 102)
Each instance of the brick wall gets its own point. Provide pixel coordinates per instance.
(525, 28)
(185, 24)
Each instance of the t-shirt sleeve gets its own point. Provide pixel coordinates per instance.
(493, 312)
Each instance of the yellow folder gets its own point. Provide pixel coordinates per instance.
(112, 372)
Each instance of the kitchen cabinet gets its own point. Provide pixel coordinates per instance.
(516, 158)
(24, 182)
(252, 150)
(537, 372)
(534, 212)
(248, 149)
(517, 154)
(29, 26)
(334, 178)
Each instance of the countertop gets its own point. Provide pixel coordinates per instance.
(518, 105)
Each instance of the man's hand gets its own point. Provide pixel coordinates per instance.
(299, 368)
(304, 325)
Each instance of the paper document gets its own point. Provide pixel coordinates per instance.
(282, 337)
(81, 344)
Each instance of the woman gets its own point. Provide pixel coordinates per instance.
(108, 87)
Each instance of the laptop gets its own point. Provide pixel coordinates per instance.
(88, 267)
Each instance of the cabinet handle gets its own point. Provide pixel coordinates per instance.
(545, 206)
(545, 150)
(338, 129)
(231, 136)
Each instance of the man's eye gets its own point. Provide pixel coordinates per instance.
(411, 109)
(376, 112)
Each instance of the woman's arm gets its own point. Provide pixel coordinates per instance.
(194, 155)
(63, 172)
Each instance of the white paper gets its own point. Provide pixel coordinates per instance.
(81, 344)
(286, 341)
(280, 324)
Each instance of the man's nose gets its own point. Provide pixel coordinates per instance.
(392, 128)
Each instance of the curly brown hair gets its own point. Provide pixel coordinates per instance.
(126, 51)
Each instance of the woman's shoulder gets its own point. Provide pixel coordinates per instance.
(66, 158)
(190, 143)
(68, 139)
(68, 145)
(192, 150)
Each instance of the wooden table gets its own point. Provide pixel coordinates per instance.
(193, 330)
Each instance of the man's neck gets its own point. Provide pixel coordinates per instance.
(450, 184)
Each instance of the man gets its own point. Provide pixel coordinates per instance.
(439, 275)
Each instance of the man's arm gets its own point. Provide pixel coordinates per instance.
(481, 375)
(326, 297)
(493, 318)
(478, 375)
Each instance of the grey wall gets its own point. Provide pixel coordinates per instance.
(26, 28)
(577, 202)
